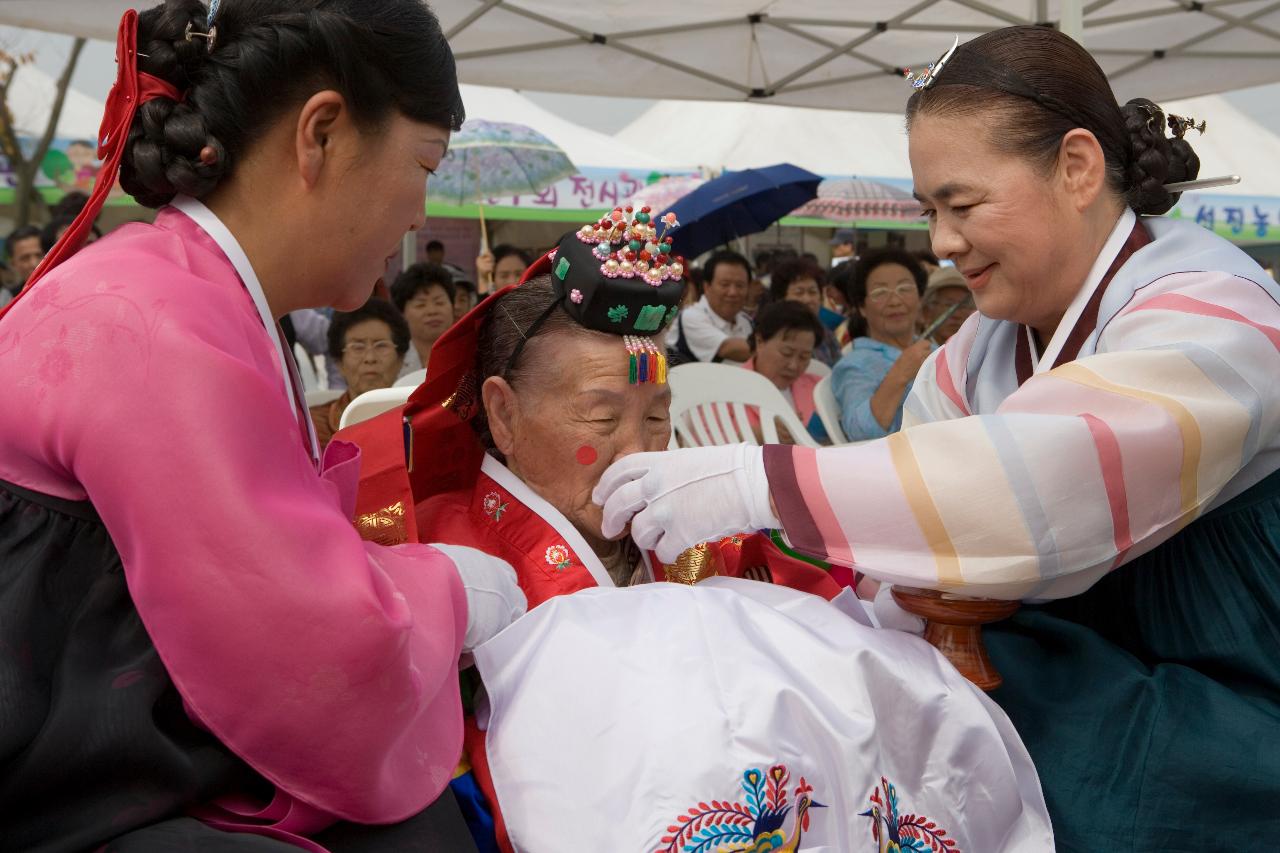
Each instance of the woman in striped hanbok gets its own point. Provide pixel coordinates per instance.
(1100, 440)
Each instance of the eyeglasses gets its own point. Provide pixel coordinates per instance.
(880, 294)
(382, 349)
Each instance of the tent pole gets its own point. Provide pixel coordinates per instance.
(1071, 19)
(409, 249)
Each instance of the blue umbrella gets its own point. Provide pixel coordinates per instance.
(739, 203)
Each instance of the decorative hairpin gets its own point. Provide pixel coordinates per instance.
(1203, 184)
(1180, 125)
(211, 32)
(929, 75)
(628, 245)
(648, 363)
(1155, 117)
(210, 38)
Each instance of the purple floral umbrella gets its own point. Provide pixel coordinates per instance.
(494, 158)
(849, 199)
(664, 192)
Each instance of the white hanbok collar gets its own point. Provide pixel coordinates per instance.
(209, 222)
(1043, 362)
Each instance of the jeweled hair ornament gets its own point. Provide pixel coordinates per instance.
(1178, 126)
(973, 69)
(926, 78)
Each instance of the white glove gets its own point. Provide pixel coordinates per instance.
(494, 599)
(889, 614)
(679, 498)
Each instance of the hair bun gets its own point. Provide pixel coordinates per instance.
(162, 153)
(1155, 160)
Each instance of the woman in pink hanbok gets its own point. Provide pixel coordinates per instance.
(197, 651)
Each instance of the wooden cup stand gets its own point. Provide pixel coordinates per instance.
(953, 625)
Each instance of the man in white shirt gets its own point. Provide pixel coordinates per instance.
(842, 246)
(715, 328)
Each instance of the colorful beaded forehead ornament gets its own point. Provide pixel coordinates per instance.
(648, 363)
(628, 245)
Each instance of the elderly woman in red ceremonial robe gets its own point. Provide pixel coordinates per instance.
(1101, 439)
(538, 390)
(197, 651)
(527, 400)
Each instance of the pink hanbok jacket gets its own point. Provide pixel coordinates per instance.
(139, 376)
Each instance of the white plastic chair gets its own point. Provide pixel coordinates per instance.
(817, 368)
(370, 404)
(316, 396)
(306, 368)
(824, 400)
(411, 380)
(709, 407)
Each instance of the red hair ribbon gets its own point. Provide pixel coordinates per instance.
(132, 89)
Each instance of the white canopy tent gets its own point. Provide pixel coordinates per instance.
(720, 135)
(842, 54)
(585, 147)
(31, 96)
(32, 92)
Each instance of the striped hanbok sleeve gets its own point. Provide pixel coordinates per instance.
(1082, 468)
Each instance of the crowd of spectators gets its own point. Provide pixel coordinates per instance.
(862, 317)
(866, 320)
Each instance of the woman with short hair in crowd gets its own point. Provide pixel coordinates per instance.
(369, 346)
(801, 280)
(872, 380)
(424, 294)
(782, 345)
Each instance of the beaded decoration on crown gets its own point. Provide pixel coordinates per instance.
(628, 245)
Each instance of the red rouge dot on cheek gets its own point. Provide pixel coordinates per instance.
(587, 455)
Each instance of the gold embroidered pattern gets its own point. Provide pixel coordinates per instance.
(696, 564)
(385, 526)
(463, 400)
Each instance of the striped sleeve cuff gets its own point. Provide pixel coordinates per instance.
(788, 498)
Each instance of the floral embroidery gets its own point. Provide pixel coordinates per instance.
(494, 507)
(756, 826)
(558, 556)
(618, 313)
(906, 833)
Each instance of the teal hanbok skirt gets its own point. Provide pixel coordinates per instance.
(1151, 703)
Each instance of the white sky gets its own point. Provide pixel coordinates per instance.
(96, 72)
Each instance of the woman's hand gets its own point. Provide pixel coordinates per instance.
(888, 398)
(908, 364)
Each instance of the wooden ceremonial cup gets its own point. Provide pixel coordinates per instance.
(953, 625)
